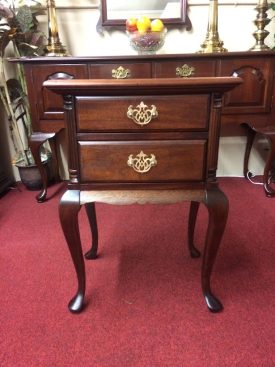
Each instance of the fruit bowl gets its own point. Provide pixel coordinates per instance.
(147, 42)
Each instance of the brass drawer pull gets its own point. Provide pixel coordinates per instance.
(142, 163)
(185, 71)
(142, 114)
(121, 73)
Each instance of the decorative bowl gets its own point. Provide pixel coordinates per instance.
(147, 42)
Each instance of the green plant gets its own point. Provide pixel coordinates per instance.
(20, 34)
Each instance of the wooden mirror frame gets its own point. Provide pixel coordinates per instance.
(183, 20)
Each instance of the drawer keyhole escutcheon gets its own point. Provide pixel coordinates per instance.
(121, 73)
(185, 71)
(142, 114)
(142, 163)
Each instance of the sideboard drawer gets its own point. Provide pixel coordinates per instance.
(120, 71)
(142, 161)
(184, 69)
(144, 112)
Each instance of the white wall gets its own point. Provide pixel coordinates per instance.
(77, 30)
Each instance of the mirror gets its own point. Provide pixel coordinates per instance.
(172, 12)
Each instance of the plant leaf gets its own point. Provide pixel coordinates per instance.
(25, 18)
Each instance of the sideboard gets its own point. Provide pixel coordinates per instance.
(251, 102)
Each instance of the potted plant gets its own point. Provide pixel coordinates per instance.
(20, 36)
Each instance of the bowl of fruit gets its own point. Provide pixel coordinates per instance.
(146, 36)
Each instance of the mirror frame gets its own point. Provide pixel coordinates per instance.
(183, 20)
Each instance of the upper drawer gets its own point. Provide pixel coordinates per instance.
(142, 161)
(142, 113)
(120, 71)
(184, 68)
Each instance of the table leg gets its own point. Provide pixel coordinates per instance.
(193, 211)
(91, 213)
(269, 191)
(35, 142)
(68, 212)
(250, 133)
(52, 142)
(217, 206)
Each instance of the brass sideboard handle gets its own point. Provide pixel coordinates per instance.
(142, 114)
(121, 73)
(185, 71)
(142, 163)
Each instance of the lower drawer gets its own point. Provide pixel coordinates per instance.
(142, 161)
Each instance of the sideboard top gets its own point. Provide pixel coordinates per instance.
(84, 59)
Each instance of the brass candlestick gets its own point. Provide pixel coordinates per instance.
(212, 42)
(261, 22)
(54, 47)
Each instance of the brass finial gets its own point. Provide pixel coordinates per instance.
(261, 22)
(54, 47)
(212, 42)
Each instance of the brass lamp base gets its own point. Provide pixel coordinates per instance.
(212, 44)
(261, 22)
(212, 41)
(56, 49)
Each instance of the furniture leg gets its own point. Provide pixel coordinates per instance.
(194, 207)
(91, 213)
(250, 133)
(269, 191)
(52, 142)
(35, 142)
(217, 205)
(68, 212)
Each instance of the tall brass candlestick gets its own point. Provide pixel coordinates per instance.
(212, 42)
(261, 22)
(54, 47)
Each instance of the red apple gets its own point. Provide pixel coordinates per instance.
(131, 24)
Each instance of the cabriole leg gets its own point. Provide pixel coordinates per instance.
(217, 205)
(35, 142)
(193, 212)
(91, 213)
(68, 212)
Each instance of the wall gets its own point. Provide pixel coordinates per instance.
(78, 32)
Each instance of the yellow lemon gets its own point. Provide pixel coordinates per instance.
(143, 24)
(157, 25)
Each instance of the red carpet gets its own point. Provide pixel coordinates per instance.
(145, 303)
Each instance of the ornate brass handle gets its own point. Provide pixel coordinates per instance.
(121, 73)
(142, 114)
(185, 71)
(142, 163)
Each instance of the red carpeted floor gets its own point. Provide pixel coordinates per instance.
(145, 303)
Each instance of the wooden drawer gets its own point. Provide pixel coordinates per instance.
(144, 113)
(111, 161)
(120, 71)
(184, 68)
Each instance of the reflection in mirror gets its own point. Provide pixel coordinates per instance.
(114, 12)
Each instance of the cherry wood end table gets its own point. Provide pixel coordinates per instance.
(143, 141)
